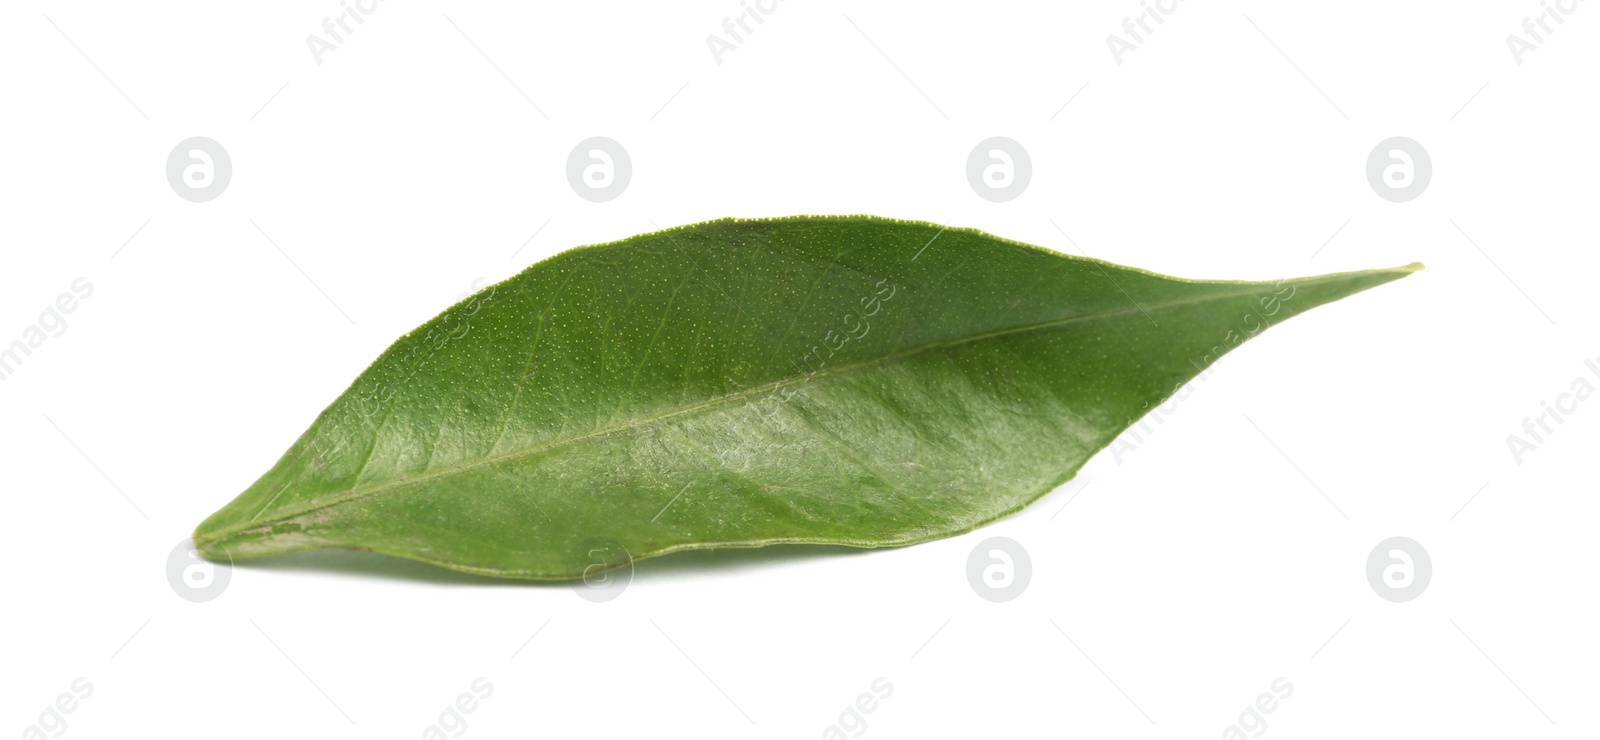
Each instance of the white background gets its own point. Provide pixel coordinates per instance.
(1171, 584)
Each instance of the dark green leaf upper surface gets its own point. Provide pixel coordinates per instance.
(845, 380)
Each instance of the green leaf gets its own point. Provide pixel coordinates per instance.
(843, 380)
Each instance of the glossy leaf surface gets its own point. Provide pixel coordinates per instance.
(844, 380)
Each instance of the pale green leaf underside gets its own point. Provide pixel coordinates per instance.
(842, 380)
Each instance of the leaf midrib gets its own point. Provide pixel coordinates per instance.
(358, 493)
